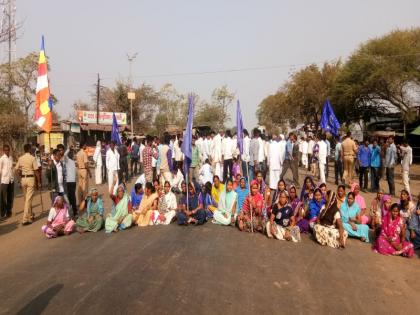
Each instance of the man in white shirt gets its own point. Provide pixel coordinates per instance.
(227, 155)
(217, 154)
(113, 166)
(245, 156)
(207, 147)
(406, 160)
(57, 175)
(276, 156)
(311, 144)
(261, 155)
(7, 185)
(322, 155)
(199, 144)
(304, 144)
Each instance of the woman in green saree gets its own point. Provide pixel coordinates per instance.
(120, 217)
(92, 210)
(226, 209)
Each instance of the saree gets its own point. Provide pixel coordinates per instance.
(119, 218)
(242, 194)
(360, 201)
(223, 214)
(392, 229)
(135, 199)
(216, 192)
(257, 220)
(92, 220)
(352, 211)
(142, 217)
(60, 222)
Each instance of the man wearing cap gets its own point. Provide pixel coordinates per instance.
(82, 164)
(27, 167)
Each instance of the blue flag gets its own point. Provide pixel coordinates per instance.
(329, 123)
(115, 134)
(186, 147)
(239, 128)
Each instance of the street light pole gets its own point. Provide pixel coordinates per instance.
(131, 95)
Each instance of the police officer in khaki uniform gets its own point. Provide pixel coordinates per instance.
(82, 163)
(27, 167)
(348, 156)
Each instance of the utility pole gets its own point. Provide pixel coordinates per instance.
(98, 92)
(131, 95)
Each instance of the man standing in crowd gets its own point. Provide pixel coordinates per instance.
(363, 156)
(104, 149)
(245, 156)
(56, 173)
(123, 151)
(70, 167)
(165, 157)
(7, 183)
(217, 154)
(375, 164)
(254, 149)
(304, 144)
(390, 161)
(27, 166)
(406, 160)
(348, 154)
(227, 156)
(112, 162)
(292, 159)
(82, 163)
(135, 156)
(338, 162)
(276, 156)
(328, 156)
(322, 158)
(149, 153)
(311, 144)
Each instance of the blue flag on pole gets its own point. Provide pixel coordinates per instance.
(329, 123)
(115, 134)
(239, 128)
(186, 147)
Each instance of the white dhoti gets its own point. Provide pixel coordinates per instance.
(113, 176)
(98, 174)
(218, 170)
(274, 178)
(305, 159)
(155, 220)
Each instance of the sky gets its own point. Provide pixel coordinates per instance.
(86, 37)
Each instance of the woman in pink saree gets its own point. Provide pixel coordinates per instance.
(392, 241)
(59, 221)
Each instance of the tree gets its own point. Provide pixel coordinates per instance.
(221, 98)
(383, 74)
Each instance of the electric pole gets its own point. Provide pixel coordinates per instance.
(131, 95)
(98, 92)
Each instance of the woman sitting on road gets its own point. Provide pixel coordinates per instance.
(192, 211)
(375, 210)
(341, 195)
(329, 228)
(217, 189)
(307, 190)
(392, 241)
(208, 203)
(120, 217)
(261, 183)
(226, 209)
(414, 226)
(251, 216)
(351, 217)
(308, 218)
(355, 189)
(167, 206)
(59, 221)
(242, 191)
(282, 221)
(93, 210)
(281, 187)
(149, 203)
(136, 195)
(407, 207)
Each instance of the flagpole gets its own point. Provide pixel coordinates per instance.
(249, 194)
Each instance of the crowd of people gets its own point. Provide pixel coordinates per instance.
(226, 187)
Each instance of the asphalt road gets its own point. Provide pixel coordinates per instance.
(196, 270)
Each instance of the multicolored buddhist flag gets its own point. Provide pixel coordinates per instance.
(44, 104)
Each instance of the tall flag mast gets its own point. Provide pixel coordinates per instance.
(44, 104)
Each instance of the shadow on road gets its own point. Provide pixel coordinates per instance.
(7, 228)
(40, 303)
